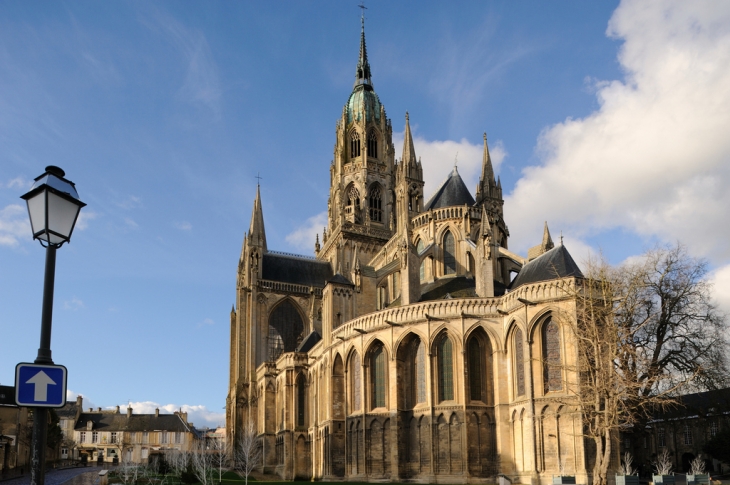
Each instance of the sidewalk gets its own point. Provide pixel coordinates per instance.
(86, 476)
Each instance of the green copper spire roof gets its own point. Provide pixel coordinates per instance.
(362, 73)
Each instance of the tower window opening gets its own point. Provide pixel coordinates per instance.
(372, 145)
(354, 145)
(449, 254)
(376, 205)
(445, 370)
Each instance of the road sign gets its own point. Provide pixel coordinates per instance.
(40, 385)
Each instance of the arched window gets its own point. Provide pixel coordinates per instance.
(519, 362)
(356, 381)
(445, 369)
(377, 376)
(285, 329)
(476, 370)
(470, 263)
(422, 270)
(301, 399)
(376, 204)
(449, 254)
(354, 145)
(372, 144)
(382, 297)
(552, 372)
(420, 377)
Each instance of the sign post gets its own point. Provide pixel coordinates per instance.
(40, 385)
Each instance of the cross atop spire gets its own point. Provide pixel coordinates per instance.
(362, 73)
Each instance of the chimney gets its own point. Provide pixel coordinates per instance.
(157, 412)
(117, 409)
(91, 410)
(79, 406)
(99, 409)
(129, 411)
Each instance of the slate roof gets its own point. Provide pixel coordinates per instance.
(340, 280)
(309, 342)
(699, 403)
(452, 192)
(111, 421)
(457, 287)
(556, 263)
(298, 270)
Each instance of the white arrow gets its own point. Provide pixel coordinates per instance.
(41, 382)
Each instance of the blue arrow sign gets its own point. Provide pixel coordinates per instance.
(40, 385)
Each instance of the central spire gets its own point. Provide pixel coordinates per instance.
(362, 74)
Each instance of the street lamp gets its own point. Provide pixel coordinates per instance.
(53, 207)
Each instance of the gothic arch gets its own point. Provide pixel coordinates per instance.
(301, 400)
(354, 382)
(445, 350)
(376, 199)
(411, 366)
(285, 327)
(494, 339)
(372, 143)
(376, 373)
(449, 254)
(479, 366)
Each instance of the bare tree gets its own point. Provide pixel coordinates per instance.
(644, 332)
(248, 450)
(202, 461)
(219, 455)
(177, 460)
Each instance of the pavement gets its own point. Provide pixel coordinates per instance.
(70, 476)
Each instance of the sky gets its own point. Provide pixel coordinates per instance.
(608, 120)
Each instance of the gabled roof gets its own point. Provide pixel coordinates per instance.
(309, 342)
(340, 280)
(554, 264)
(110, 421)
(452, 192)
(298, 270)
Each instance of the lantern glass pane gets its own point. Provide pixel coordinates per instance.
(37, 212)
(61, 216)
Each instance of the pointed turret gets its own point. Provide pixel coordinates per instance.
(409, 152)
(256, 232)
(488, 187)
(545, 246)
(362, 73)
(484, 275)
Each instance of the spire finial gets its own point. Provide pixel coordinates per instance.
(362, 74)
(258, 176)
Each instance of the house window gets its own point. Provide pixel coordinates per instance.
(646, 443)
(660, 438)
(552, 372)
(82, 437)
(687, 435)
(372, 145)
(376, 204)
(356, 370)
(95, 437)
(445, 370)
(519, 362)
(713, 429)
(449, 254)
(378, 377)
(178, 437)
(163, 437)
(113, 438)
(145, 437)
(354, 145)
(133, 437)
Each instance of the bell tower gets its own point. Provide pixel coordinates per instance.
(361, 204)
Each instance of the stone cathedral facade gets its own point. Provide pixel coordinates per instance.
(414, 345)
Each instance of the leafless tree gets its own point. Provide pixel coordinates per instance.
(202, 461)
(248, 450)
(177, 460)
(128, 471)
(644, 332)
(219, 455)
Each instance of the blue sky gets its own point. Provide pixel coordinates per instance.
(607, 120)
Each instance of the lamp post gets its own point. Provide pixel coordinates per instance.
(53, 207)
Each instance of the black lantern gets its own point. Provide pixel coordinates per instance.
(53, 206)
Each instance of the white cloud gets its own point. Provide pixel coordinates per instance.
(303, 237)
(71, 396)
(130, 202)
(655, 157)
(206, 322)
(74, 304)
(130, 223)
(720, 279)
(14, 225)
(84, 217)
(184, 225)
(437, 158)
(19, 183)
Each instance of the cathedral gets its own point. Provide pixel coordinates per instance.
(414, 346)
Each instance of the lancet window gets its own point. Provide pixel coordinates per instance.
(420, 380)
(354, 145)
(519, 362)
(449, 254)
(375, 204)
(301, 400)
(356, 382)
(476, 370)
(422, 270)
(285, 329)
(552, 372)
(445, 369)
(377, 370)
(372, 144)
